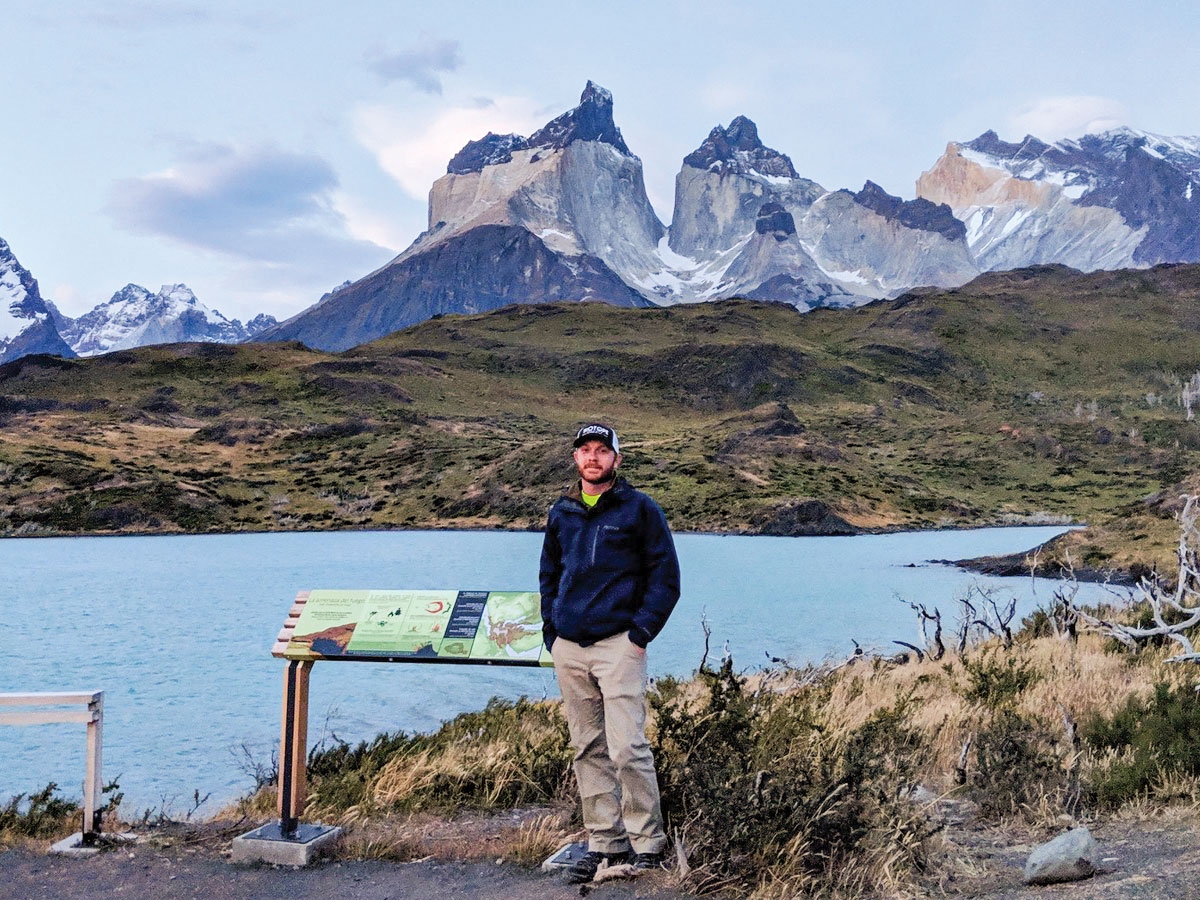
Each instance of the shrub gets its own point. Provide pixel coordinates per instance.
(339, 776)
(1155, 736)
(508, 754)
(997, 677)
(1036, 625)
(44, 815)
(765, 792)
(1017, 767)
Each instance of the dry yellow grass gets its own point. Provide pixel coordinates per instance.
(537, 839)
(1071, 683)
(493, 763)
(1072, 679)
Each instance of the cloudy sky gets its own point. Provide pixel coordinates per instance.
(263, 153)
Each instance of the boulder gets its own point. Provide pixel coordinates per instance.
(1072, 856)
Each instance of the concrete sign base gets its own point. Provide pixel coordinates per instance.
(270, 845)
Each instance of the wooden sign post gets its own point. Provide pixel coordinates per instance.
(293, 745)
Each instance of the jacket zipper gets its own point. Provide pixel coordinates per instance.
(596, 538)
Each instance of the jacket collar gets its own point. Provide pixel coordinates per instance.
(575, 492)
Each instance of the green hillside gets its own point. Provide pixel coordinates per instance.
(1037, 395)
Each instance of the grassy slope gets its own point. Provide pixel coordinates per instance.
(1022, 396)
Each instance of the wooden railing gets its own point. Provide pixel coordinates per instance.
(45, 710)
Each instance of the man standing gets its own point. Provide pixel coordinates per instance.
(609, 580)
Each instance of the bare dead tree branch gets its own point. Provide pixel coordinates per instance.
(859, 653)
(1061, 615)
(1064, 616)
(1175, 612)
(934, 647)
(966, 616)
(960, 769)
(1004, 617)
(994, 619)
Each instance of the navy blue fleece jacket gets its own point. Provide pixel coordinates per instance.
(607, 569)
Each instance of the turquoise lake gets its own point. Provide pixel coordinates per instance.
(177, 631)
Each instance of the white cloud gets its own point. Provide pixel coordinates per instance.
(415, 155)
(273, 211)
(1054, 118)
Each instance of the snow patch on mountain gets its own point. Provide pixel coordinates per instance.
(14, 315)
(12, 294)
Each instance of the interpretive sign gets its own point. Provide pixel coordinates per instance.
(502, 627)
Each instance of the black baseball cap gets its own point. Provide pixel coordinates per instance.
(597, 432)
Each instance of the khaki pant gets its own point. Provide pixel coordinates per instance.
(604, 695)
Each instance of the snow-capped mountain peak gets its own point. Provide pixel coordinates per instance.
(591, 120)
(573, 184)
(1080, 160)
(26, 324)
(134, 317)
(178, 294)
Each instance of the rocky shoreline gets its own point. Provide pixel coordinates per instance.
(1016, 565)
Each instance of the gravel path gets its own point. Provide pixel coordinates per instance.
(1155, 859)
(148, 874)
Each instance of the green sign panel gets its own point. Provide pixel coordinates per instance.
(503, 627)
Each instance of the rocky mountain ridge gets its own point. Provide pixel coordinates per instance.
(737, 150)
(563, 215)
(132, 317)
(571, 199)
(1120, 199)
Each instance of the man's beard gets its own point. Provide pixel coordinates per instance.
(609, 476)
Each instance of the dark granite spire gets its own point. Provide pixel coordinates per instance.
(738, 150)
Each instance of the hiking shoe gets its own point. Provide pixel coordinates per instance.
(648, 862)
(585, 868)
